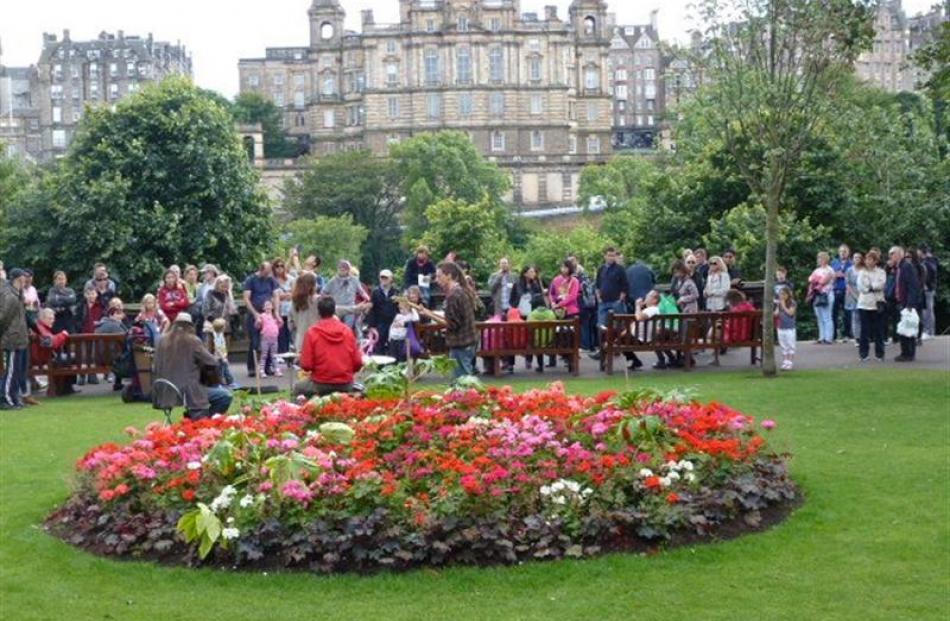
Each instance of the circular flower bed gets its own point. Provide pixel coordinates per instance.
(468, 476)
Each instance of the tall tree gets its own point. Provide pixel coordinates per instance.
(160, 180)
(774, 68)
(250, 108)
(358, 184)
(452, 168)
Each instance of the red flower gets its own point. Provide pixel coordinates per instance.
(188, 495)
(672, 498)
(652, 482)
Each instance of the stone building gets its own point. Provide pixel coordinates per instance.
(19, 118)
(530, 90)
(73, 74)
(888, 64)
(636, 84)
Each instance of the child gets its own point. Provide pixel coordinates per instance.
(398, 331)
(269, 324)
(785, 312)
(221, 352)
(781, 281)
(152, 315)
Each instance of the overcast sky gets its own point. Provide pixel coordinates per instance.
(218, 32)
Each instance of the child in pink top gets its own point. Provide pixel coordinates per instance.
(565, 289)
(269, 324)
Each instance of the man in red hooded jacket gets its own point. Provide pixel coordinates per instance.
(330, 354)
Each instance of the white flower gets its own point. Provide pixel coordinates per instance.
(686, 465)
(690, 477)
(587, 492)
(246, 501)
(671, 465)
(545, 490)
(673, 475)
(231, 520)
(559, 500)
(224, 498)
(665, 481)
(646, 472)
(230, 533)
(194, 465)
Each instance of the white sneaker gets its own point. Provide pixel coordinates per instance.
(925, 337)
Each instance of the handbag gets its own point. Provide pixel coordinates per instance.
(820, 299)
(524, 304)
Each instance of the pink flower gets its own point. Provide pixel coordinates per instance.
(768, 423)
(296, 490)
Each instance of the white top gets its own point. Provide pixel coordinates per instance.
(871, 288)
(717, 286)
(398, 330)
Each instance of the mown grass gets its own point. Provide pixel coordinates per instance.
(872, 453)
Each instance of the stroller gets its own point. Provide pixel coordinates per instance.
(135, 362)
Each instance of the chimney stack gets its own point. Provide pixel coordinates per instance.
(65, 34)
(368, 19)
(653, 16)
(550, 13)
(121, 35)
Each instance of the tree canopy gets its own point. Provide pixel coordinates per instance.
(250, 108)
(162, 179)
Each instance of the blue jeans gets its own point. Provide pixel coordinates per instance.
(254, 345)
(219, 399)
(824, 314)
(603, 308)
(464, 358)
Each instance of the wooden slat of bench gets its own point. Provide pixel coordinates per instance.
(90, 353)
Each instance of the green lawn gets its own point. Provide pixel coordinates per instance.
(872, 453)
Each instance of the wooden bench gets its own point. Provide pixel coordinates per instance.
(87, 354)
(501, 340)
(683, 334)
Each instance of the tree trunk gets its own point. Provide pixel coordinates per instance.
(768, 298)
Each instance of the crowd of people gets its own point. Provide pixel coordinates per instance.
(327, 326)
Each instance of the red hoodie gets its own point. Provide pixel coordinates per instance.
(173, 301)
(330, 352)
(39, 354)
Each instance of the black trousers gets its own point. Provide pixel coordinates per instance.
(872, 328)
(839, 314)
(909, 347)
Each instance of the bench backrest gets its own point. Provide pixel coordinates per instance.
(92, 351)
(688, 330)
(514, 338)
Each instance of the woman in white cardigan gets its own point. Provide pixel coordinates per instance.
(717, 285)
(870, 285)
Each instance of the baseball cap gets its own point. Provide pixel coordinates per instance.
(385, 274)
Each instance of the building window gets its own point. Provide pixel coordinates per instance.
(57, 72)
(329, 118)
(253, 81)
(650, 91)
(496, 104)
(650, 120)
(640, 119)
(465, 105)
(360, 82)
(463, 61)
(279, 99)
(56, 91)
(434, 106)
(534, 68)
(590, 25)
(572, 144)
(537, 140)
(649, 73)
(300, 80)
(537, 103)
(329, 85)
(113, 91)
(497, 141)
(76, 116)
(390, 47)
(593, 145)
(133, 86)
(621, 75)
(496, 65)
(59, 138)
(463, 23)
(571, 111)
(431, 59)
(93, 69)
(113, 69)
(57, 114)
(393, 107)
(651, 103)
(298, 99)
(495, 24)
(593, 111)
(430, 25)
(621, 91)
(392, 75)
(130, 67)
(591, 78)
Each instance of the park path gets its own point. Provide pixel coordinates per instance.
(934, 354)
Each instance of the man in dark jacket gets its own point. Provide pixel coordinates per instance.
(908, 291)
(180, 359)
(14, 340)
(929, 261)
(383, 310)
(611, 286)
(641, 280)
(420, 272)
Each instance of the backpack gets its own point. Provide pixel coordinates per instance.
(588, 293)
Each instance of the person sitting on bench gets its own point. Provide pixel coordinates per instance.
(330, 354)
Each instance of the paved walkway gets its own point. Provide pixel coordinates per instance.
(934, 354)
